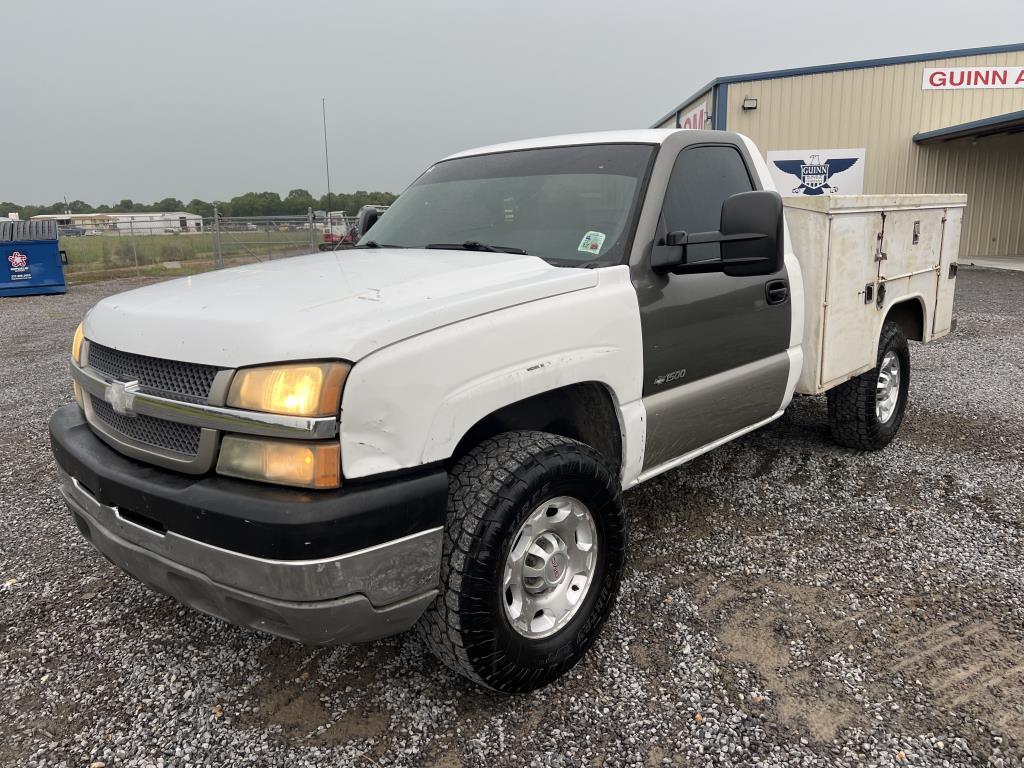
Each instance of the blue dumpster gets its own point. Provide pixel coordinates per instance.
(31, 261)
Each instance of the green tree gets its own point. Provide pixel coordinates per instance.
(200, 208)
(168, 205)
(257, 204)
(351, 202)
(297, 202)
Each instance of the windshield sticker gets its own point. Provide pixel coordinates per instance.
(592, 242)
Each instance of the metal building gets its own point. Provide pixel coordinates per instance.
(950, 121)
(148, 223)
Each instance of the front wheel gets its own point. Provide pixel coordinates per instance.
(866, 412)
(533, 555)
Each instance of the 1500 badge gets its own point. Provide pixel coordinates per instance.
(668, 378)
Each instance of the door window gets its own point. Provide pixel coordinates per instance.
(702, 178)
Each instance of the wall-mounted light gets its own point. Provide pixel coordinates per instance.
(749, 103)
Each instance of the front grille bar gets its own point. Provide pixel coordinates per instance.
(210, 416)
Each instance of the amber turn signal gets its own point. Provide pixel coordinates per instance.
(286, 462)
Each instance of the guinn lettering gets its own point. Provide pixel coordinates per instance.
(974, 77)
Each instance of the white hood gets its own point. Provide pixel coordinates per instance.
(339, 304)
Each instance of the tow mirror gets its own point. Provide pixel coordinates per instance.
(750, 233)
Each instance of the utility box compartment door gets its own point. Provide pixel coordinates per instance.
(947, 272)
(911, 242)
(850, 296)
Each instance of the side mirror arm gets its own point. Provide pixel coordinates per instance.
(666, 258)
(715, 265)
(700, 238)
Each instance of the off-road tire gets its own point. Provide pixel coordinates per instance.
(492, 490)
(852, 415)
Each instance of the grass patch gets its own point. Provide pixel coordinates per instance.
(108, 253)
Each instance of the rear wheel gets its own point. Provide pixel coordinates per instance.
(533, 554)
(866, 412)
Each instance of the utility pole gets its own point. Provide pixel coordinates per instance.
(218, 253)
(135, 251)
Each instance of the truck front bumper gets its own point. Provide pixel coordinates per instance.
(376, 589)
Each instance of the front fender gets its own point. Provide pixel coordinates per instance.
(410, 403)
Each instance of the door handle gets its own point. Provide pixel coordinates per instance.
(776, 291)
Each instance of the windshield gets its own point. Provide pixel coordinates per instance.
(568, 205)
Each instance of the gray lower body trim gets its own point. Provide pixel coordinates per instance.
(359, 596)
(687, 417)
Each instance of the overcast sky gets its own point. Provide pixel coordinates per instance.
(196, 98)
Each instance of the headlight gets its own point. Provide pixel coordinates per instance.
(288, 462)
(298, 389)
(76, 345)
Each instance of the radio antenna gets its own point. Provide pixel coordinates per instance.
(327, 162)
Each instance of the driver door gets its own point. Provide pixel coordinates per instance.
(715, 346)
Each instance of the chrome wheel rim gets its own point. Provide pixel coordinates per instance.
(550, 567)
(887, 390)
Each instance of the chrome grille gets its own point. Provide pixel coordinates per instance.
(167, 378)
(165, 435)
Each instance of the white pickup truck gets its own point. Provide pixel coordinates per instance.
(435, 428)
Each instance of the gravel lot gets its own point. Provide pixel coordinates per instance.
(787, 602)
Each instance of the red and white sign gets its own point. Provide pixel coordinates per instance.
(961, 78)
(695, 118)
(20, 270)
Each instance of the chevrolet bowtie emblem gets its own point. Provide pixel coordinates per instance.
(121, 396)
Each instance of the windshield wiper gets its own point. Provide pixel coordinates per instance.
(574, 263)
(375, 244)
(473, 245)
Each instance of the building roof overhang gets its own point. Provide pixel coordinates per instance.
(1011, 122)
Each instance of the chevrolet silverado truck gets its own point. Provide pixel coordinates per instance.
(435, 428)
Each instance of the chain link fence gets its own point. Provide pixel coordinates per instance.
(166, 246)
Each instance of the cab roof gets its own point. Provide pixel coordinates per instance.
(642, 136)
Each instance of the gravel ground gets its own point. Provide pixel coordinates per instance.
(786, 602)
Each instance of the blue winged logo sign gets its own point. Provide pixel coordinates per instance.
(814, 173)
